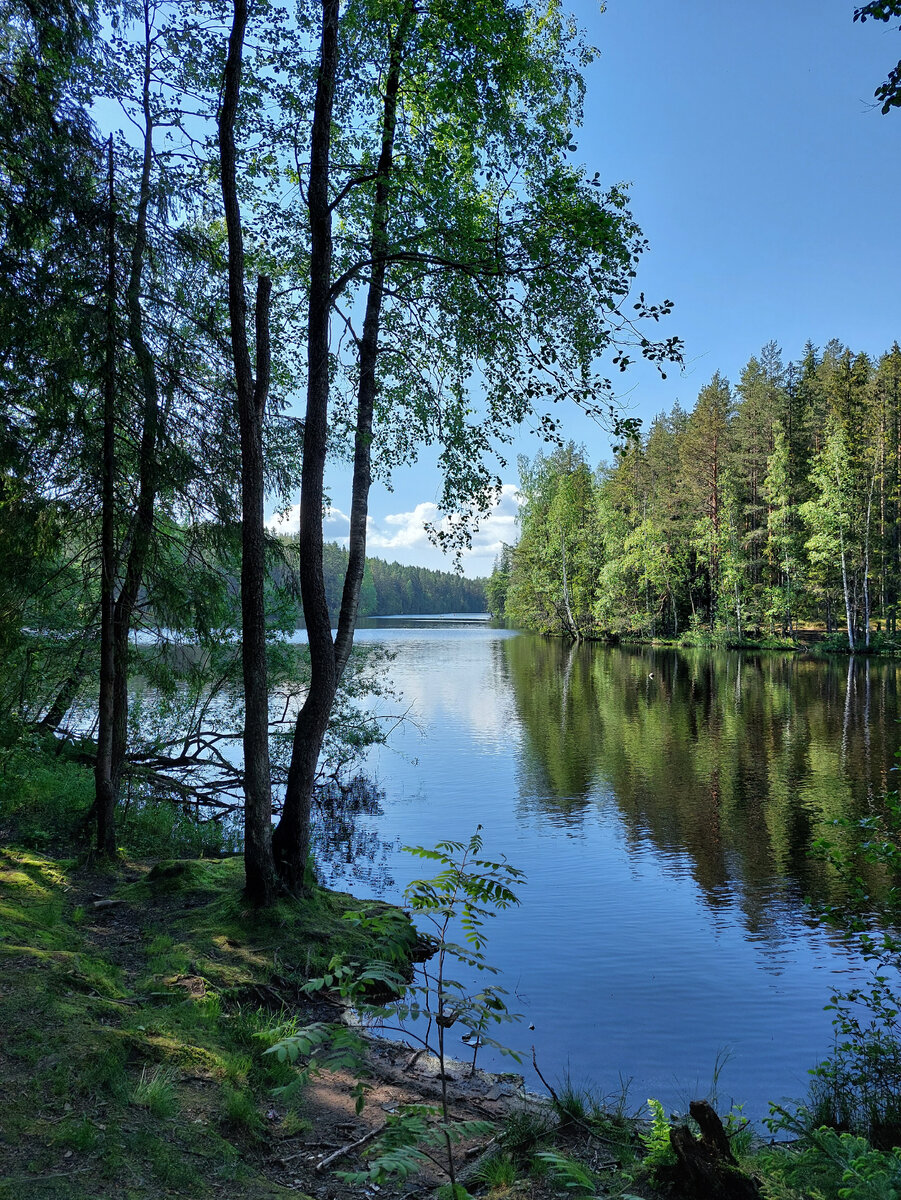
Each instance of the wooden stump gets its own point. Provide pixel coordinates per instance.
(706, 1167)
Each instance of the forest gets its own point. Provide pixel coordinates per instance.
(771, 506)
(240, 245)
(247, 248)
(392, 589)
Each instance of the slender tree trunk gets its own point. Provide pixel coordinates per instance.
(65, 696)
(116, 617)
(259, 864)
(883, 578)
(105, 797)
(291, 841)
(567, 608)
(849, 615)
(142, 522)
(329, 659)
(866, 568)
(738, 613)
(366, 391)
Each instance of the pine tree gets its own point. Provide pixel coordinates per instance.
(783, 549)
(705, 450)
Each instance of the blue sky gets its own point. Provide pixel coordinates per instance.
(767, 183)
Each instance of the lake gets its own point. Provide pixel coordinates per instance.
(662, 804)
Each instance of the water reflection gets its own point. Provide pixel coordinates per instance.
(349, 850)
(662, 805)
(738, 761)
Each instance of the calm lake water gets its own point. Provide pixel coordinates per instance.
(662, 804)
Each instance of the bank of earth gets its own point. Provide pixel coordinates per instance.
(137, 1007)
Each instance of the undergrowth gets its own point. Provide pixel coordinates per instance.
(143, 1072)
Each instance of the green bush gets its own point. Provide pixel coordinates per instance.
(44, 797)
(858, 1087)
(156, 827)
(827, 1163)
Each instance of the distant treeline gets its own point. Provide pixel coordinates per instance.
(770, 504)
(392, 589)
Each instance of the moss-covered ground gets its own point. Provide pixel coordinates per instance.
(135, 1011)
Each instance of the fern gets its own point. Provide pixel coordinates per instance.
(840, 1164)
(568, 1173)
(467, 891)
(656, 1140)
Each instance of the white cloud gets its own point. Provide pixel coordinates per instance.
(405, 533)
(336, 522)
(401, 537)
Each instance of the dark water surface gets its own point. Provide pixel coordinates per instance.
(662, 804)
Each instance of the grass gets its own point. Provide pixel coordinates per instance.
(142, 1072)
(580, 1104)
(239, 1110)
(497, 1172)
(525, 1131)
(156, 1091)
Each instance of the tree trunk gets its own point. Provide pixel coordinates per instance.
(142, 523)
(366, 391)
(105, 797)
(706, 1168)
(849, 613)
(738, 627)
(65, 696)
(291, 841)
(329, 659)
(567, 608)
(116, 616)
(259, 865)
(866, 568)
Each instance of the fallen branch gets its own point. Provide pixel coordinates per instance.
(349, 1148)
(553, 1095)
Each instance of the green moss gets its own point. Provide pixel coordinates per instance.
(76, 1134)
(134, 1043)
(177, 874)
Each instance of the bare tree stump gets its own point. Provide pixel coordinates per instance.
(706, 1167)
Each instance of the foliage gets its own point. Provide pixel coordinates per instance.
(828, 1163)
(494, 271)
(768, 506)
(888, 94)
(570, 1174)
(466, 892)
(850, 1126)
(498, 584)
(656, 1139)
(550, 582)
(393, 589)
(859, 1085)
